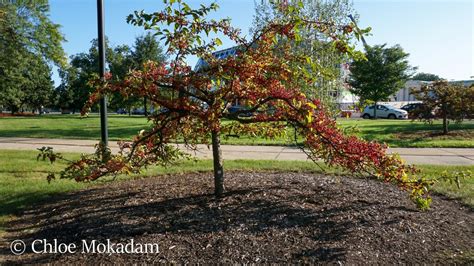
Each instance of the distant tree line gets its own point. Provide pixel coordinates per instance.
(74, 89)
(31, 44)
(426, 77)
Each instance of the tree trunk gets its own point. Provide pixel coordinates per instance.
(14, 109)
(445, 119)
(218, 167)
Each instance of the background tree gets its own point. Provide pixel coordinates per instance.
(84, 66)
(146, 48)
(120, 64)
(28, 41)
(120, 60)
(81, 69)
(452, 101)
(63, 96)
(318, 47)
(30, 86)
(38, 86)
(426, 77)
(194, 102)
(469, 102)
(382, 74)
(12, 49)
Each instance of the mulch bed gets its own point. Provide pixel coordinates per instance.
(265, 217)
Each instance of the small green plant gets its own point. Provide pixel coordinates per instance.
(48, 153)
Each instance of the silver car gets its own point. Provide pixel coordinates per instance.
(384, 111)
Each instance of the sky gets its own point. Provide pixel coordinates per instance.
(438, 34)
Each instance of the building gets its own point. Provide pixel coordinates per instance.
(222, 54)
(404, 96)
(341, 94)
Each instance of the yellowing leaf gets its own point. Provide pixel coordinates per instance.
(309, 117)
(312, 105)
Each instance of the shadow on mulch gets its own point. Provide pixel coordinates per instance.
(265, 217)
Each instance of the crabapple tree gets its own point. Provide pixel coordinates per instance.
(192, 103)
(453, 101)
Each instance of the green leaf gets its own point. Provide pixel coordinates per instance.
(186, 7)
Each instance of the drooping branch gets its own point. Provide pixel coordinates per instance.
(262, 76)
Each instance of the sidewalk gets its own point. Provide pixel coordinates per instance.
(436, 156)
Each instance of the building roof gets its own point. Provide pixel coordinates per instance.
(221, 54)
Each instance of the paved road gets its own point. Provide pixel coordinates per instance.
(438, 156)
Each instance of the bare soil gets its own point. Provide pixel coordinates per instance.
(264, 217)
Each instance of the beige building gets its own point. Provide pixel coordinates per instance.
(403, 96)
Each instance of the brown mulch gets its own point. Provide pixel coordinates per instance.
(264, 217)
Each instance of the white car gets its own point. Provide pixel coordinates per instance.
(384, 111)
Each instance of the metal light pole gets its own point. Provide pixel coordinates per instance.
(103, 100)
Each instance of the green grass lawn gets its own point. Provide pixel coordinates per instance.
(70, 126)
(395, 133)
(23, 179)
(416, 134)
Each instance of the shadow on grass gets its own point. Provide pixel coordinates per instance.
(115, 133)
(414, 127)
(20, 201)
(419, 135)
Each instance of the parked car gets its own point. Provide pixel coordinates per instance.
(122, 111)
(384, 111)
(241, 110)
(44, 111)
(138, 111)
(418, 110)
